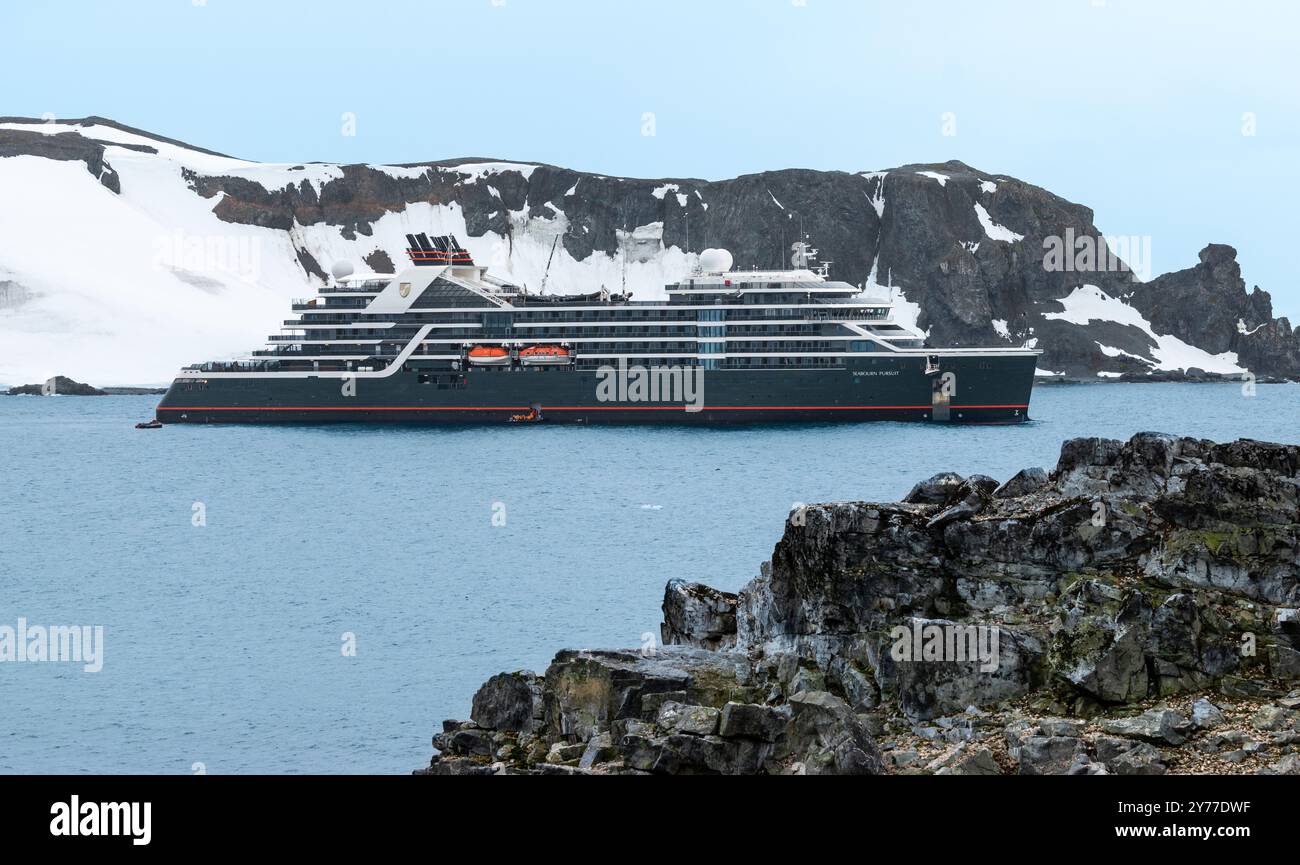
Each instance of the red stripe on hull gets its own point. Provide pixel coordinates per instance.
(259, 408)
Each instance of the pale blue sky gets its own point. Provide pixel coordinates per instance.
(1132, 107)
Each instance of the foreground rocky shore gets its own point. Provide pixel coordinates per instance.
(1133, 611)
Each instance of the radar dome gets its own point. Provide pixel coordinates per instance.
(341, 269)
(716, 261)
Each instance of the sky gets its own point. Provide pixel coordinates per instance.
(1177, 120)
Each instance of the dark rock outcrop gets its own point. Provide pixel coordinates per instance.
(1237, 321)
(1062, 623)
(64, 147)
(510, 702)
(57, 385)
(698, 615)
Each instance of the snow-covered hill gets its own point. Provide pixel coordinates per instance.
(124, 255)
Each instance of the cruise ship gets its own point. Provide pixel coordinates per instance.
(444, 342)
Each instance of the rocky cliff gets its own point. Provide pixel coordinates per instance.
(972, 257)
(1132, 611)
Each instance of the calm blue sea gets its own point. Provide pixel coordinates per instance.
(223, 641)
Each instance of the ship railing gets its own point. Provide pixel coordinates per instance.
(371, 288)
(815, 364)
(318, 304)
(486, 293)
(842, 315)
(306, 364)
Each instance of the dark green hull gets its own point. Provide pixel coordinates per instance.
(970, 388)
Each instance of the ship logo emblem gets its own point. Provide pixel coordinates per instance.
(404, 289)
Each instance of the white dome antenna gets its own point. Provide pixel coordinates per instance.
(341, 270)
(716, 261)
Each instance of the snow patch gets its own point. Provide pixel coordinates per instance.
(934, 175)
(1000, 325)
(133, 304)
(400, 172)
(1110, 351)
(906, 313)
(1241, 327)
(660, 191)
(476, 171)
(994, 231)
(877, 198)
(988, 186)
(642, 243)
(1088, 303)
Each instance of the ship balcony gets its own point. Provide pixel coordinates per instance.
(373, 286)
(294, 365)
(340, 318)
(307, 304)
(317, 352)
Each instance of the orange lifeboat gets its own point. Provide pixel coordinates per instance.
(544, 354)
(489, 355)
(533, 415)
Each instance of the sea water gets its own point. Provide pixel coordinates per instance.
(319, 599)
